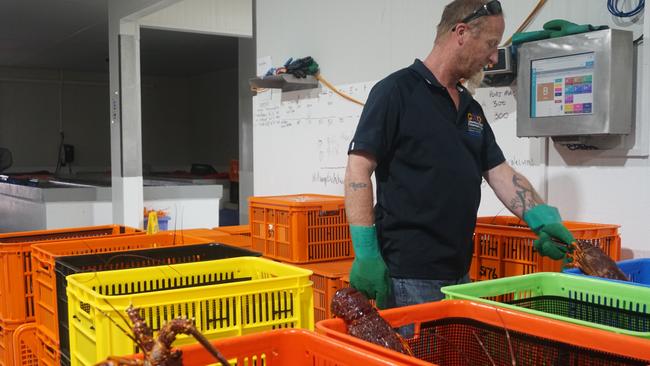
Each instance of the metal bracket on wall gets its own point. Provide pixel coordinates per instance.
(286, 82)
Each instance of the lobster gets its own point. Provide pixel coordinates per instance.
(594, 262)
(364, 322)
(158, 352)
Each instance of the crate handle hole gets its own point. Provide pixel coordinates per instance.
(334, 212)
(51, 351)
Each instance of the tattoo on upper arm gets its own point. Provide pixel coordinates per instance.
(356, 185)
(526, 197)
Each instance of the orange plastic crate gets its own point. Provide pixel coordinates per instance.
(286, 347)
(203, 233)
(345, 281)
(25, 343)
(16, 289)
(503, 246)
(233, 174)
(47, 350)
(235, 230)
(327, 280)
(241, 241)
(43, 262)
(448, 333)
(300, 228)
(7, 329)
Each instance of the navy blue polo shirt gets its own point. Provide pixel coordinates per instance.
(430, 161)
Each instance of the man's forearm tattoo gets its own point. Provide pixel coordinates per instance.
(526, 197)
(357, 186)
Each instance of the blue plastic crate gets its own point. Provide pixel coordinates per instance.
(637, 270)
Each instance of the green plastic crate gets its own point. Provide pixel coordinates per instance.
(610, 306)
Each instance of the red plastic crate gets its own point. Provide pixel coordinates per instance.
(301, 228)
(456, 332)
(25, 345)
(503, 246)
(16, 267)
(286, 347)
(43, 261)
(327, 280)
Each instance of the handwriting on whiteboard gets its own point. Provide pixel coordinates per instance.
(325, 177)
(518, 162)
(302, 137)
(498, 103)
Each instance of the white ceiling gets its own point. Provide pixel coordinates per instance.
(73, 35)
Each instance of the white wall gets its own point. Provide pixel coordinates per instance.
(227, 17)
(184, 120)
(365, 40)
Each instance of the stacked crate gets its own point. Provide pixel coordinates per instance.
(244, 230)
(25, 345)
(457, 332)
(310, 231)
(48, 291)
(17, 309)
(224, 298)
(327, 278)
(239, 235)
(503, 246)
(517, 318)
(612, 306)
(284, 347)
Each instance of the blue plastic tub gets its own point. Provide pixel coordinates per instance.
(638, 270)
(163, 222)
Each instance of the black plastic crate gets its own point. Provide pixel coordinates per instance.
(464, 341)
(70, 265)
(637, 321)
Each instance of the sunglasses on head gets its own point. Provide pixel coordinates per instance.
(491, 8)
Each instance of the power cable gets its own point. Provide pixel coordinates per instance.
(612, 6)
(527, 21)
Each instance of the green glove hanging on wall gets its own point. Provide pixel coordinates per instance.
(546, 222)
(369, 273)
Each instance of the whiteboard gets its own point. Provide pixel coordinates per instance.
(526, 155)
(301, 140)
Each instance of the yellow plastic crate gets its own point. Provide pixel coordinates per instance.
(227, 297)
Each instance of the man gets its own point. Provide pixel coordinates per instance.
(429, 145)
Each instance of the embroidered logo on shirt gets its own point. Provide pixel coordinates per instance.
(474, 124)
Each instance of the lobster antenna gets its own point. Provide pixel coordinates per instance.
(512, 353)
(484, 349)
(128, 334)
(209, 346)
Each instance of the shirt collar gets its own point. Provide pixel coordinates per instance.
(419, 67)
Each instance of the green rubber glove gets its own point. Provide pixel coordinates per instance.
(546, 222)
(369, 273)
